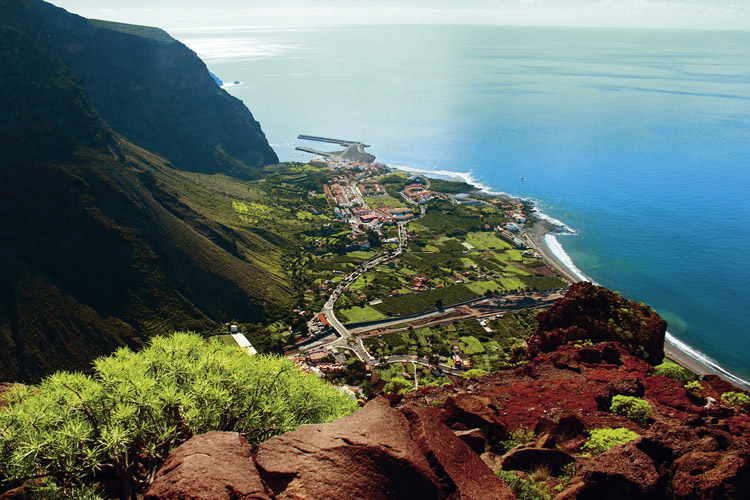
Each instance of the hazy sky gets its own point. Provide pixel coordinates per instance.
(171, 14)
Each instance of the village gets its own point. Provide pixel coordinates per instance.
(387, 206)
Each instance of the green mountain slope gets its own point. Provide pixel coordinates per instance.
(105, 243)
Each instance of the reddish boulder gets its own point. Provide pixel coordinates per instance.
(711, 475)
(632, 387)
(475, 438)
(466, 411)
(622, 473)
(568, 425)
(369, 454)
(211, 466)
(567, 360)
(462, 473)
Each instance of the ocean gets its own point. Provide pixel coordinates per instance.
(637, 140)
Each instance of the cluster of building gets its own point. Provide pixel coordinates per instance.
(458, 361)
(514, 210)
(417, 193)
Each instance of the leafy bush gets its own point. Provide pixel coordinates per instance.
(523, 488)
(694, 385)
(601, 440)
(519, 436)
(117, 425)
(475, 372)
(398, 385)
(636, 409)
(674, 371)
(738, 399)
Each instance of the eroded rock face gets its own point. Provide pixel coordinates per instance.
(625, 472)
(463, 473)
(466, 411)
(712, 475)
(369, 454)
(211, 466)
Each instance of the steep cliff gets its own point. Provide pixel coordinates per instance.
(156, 92)
(100, 245)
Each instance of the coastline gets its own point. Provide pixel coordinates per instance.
(545, 228)
(541, 230)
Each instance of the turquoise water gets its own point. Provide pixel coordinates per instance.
(639, 140)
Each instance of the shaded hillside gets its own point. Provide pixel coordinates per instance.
(100, 246)
(156, 92)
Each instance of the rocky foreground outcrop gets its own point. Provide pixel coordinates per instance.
(531, 425)
(450, 442)
(376, 453)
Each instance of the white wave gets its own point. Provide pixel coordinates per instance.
(466, 177)
(706, 361)
(555, 222)
(560, 254)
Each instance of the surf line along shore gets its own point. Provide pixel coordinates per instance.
(538, 234)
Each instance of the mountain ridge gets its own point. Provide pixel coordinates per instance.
(92, 221)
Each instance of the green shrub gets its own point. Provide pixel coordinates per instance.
(738, 399)
(519, 436)
(636, 409)
(118, 424)
(601, 440)
(475, 372)
(398, 385)
(674, 371)
(523, 488)
(694, 385)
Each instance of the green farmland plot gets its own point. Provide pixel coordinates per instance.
(486, 241)
(472, 345)
(359, 314)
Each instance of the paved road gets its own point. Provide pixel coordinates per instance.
(424, 362)
(346, 340)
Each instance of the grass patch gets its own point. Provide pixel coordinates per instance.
(473, 345)
(358, 314)
(486, 241)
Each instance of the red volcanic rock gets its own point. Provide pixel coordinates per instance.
(466, 411)
(211, 466)
(568, 425)
(463, 474)
(369, 454)
(475, 438)
(620, 387)
(712, 475)
(623, 473)
(670, 393)
(591, 312)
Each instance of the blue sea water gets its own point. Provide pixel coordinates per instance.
(637, 139)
